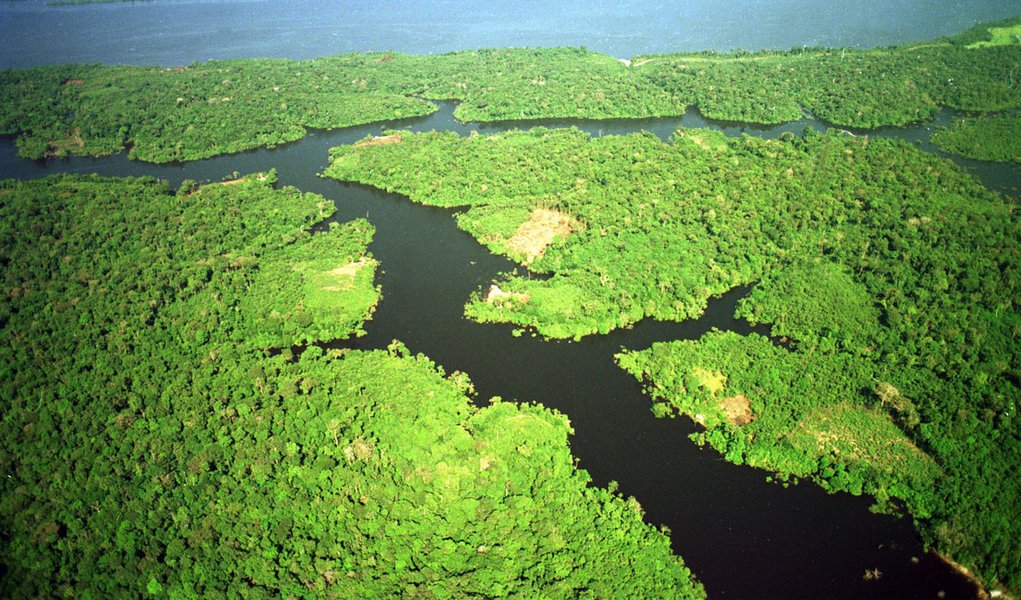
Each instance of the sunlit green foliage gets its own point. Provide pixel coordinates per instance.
(149, 448)
(811, 414)
(852, 88)
(507, 84)
(1009, 34)
(219, 107)
(319, 291)
(895, 273)
(984, 138)
(814, 302)
(164, 115)
(668, 226)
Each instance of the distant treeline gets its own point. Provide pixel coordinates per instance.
(187, 113)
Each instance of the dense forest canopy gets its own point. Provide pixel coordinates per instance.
(218, 107)
(892, 275)
(996, 138)
(160, 437)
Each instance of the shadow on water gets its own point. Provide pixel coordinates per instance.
(742, 536)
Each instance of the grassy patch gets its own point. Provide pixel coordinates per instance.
(1000, 36)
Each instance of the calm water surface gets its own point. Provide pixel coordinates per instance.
(175, 32)
(743, 537)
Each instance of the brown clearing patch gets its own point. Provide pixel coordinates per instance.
(381, 140)
(74, 82)
(344, 275)
(359, 449)
(738, 410)
(349, 269)
(497, 296)
(259, 177)
(536, 234)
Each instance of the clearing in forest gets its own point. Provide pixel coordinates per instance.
(343, 277)
(738, 410)
(862, 435)
(536, 234)
(380, 140)
(1001, 36)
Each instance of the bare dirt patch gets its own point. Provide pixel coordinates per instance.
(494, 295)
(259, 177)
(738, 410)
(381, 140)
(536, 234)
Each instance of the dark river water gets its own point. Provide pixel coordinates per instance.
(742, 536)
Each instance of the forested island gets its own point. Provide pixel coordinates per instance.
(174, 424)
(218, 107)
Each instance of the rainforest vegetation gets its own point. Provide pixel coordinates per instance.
(890, 274)
(218, 107)
(171, 424)
(995, 138)
(159, 440)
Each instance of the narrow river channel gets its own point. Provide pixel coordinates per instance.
(742, 536)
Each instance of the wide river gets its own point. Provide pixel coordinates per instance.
(742, 536)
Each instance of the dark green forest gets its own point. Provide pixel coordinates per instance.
(984, 138)
(890, 275)
(161, 437)
(218, 107)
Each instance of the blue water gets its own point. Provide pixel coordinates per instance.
(174, 32)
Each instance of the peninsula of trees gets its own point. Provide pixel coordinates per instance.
(161, 437)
